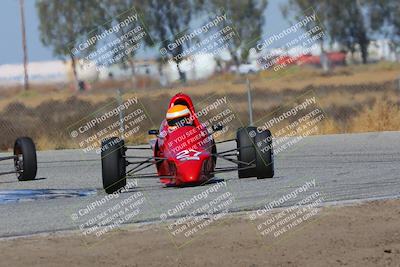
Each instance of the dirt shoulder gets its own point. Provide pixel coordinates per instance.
(367, 234)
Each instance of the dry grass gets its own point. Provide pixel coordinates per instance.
(384, 115)
(293, 78)
(355, 99)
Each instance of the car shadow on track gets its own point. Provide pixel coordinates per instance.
(16, 181)
(160, 186)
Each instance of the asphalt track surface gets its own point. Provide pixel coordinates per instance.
(345, 167)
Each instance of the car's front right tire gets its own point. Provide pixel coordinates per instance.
(25, 161)
(113, 164)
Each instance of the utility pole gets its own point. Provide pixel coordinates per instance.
(22, 14)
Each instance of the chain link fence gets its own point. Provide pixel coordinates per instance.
(49, 123)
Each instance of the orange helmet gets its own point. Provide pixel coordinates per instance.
(176, 115)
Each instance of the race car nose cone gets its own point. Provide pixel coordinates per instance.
(189, 171)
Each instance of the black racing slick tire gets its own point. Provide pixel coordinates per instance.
(246, 152)
(25, 161)
(113, 164)
(264, 155)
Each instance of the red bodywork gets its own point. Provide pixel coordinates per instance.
(188, 150)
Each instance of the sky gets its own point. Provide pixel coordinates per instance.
(11, 40)
(10, 32)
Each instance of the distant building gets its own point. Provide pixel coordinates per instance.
(383, 49)
(42, 72)
(61, 71)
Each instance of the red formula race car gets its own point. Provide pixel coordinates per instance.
(185, 152)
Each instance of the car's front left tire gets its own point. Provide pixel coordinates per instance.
(264, 155)
(246, 152)
(255, 153)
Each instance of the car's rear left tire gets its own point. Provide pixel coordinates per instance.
(25, 162)
(113, 164)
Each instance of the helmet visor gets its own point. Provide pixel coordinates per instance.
(182, 121)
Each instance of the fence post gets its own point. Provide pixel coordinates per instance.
(250, 104)
(121, 114)
(398, 83)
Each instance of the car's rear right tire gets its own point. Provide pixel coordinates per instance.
(113, 164)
